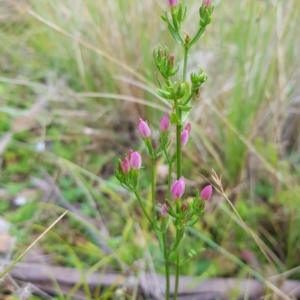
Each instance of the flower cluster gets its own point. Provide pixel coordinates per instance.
(127, 170)
(127, 173)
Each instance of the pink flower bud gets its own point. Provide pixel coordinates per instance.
(130, 153)
(172, 2)
(164, 210)
(125, 165)
(144, 129)
(188, 127)
(135, 161)
(171, 61)
(178, 187)
(207, 3)
(184, 137)
(164, 123)
(206, 192)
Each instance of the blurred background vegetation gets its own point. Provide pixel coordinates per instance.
(75, 78)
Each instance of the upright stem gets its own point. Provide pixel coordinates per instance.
(153, 187)
(142, 206)
(179, 172)
(164, 234)
(167, 295)
(177, 278)
(186, 55)
(169, 181)
(178, 143)
(179, 158)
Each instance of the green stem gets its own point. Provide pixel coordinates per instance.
(186, 55)
(167, 273)
(142, 206)
(179, 172)
(153, 187)
(179, 234)
(197, 36)
(179, 158)
(188, 99)
(177, 278)
(169, 181)
(166, 254)
(178, 144)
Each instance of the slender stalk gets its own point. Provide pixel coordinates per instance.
(142, 206)
(179, 158)
(177, 276)
(186, 55)
(164, 234)
(188, 99)
(197, 35)
(153, 187)
(167, 273)
(169, 181)
(179, 172)
(178, 144)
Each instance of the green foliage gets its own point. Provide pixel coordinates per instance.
(23, 213)
(70, 190)
(4, 205)
(267, 150)
(264, 189)
(5, 122)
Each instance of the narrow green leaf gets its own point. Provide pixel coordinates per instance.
(174, 119)
(185, 108)
(164, 94)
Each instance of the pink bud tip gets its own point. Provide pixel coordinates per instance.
(130, 153)
(171, 61)
(164, 210)
(144, 129)
(172, 2)
(207, 192)
(135, 161)
(164, 123)
(178, 187)
(125, 165)
(184, 206)
(184, 137)
(207, 3)
(188, 127)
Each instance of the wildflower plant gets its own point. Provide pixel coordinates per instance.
(180, 93)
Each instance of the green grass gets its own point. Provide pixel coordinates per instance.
(60, 52)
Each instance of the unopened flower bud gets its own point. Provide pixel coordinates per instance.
(144, 129)
(184, 206)
(135, 161)
(206, 192)
(207, 3)
(125, 165)
(188, 127)
(120, 166)
(164, 210)
(130, 153)
(171, 61)
(164, 123)
(184, 137)
(187, 39)
(201, 204)
(172, 3)
(178, 187)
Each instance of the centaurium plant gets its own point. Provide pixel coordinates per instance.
(180, 93)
